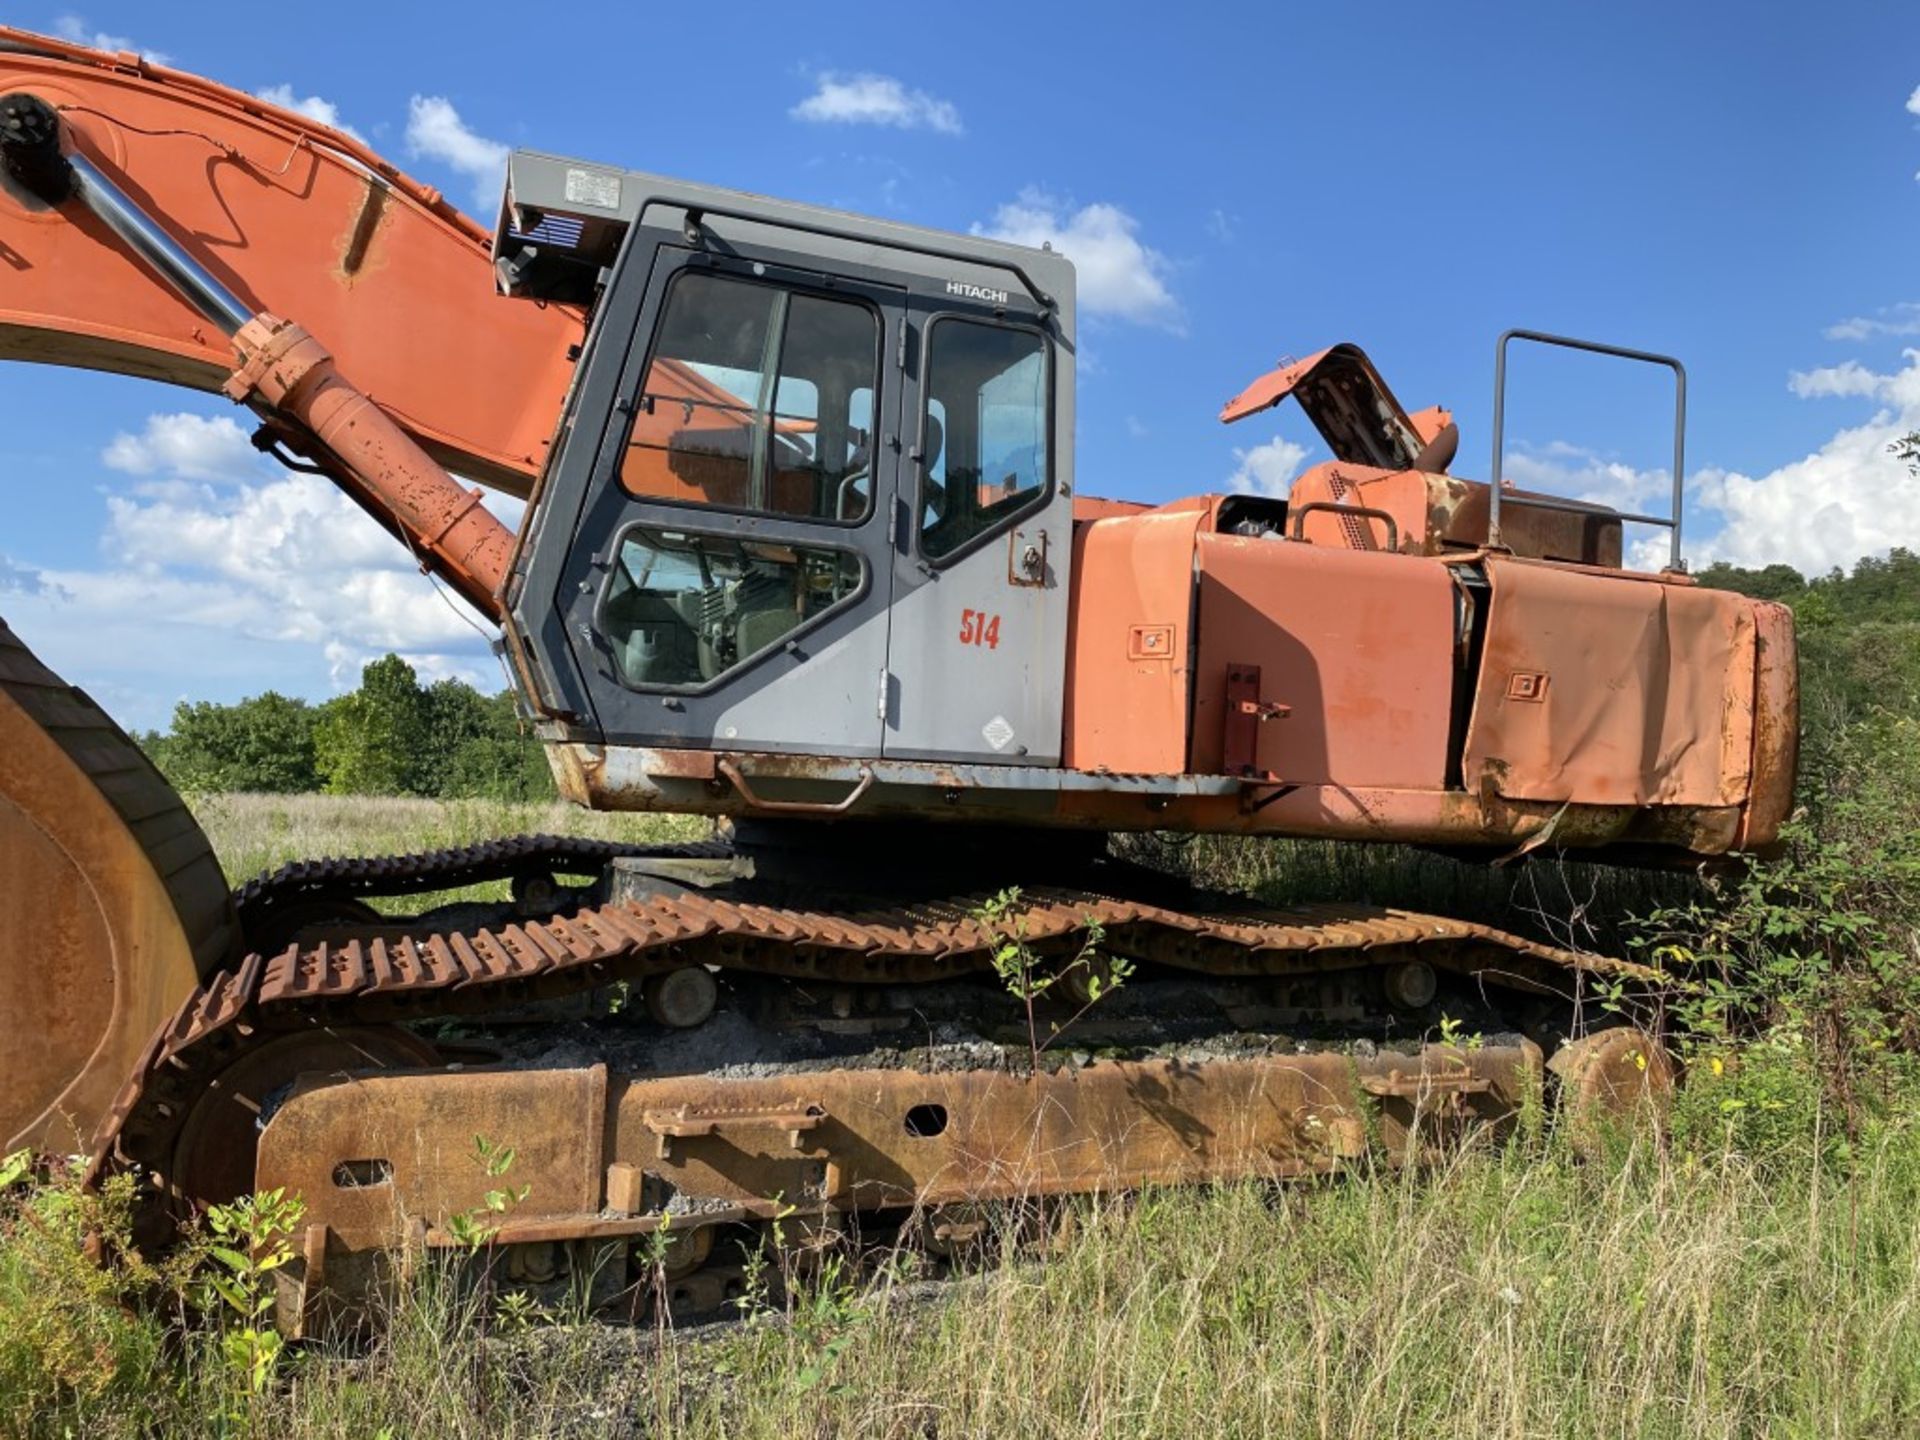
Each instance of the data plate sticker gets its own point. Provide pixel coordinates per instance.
(593, 187)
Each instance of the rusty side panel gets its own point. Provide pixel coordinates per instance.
(1458, 521)
(1360, 646)
(280, 210)
(1776, 725)
(1129, 643)
(631, 778)
(373, 1153)
(1400, 493)
(334, 1149)
(1601, 692)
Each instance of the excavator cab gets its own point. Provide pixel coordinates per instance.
(814, 492)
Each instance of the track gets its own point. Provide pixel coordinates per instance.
(320, 988)
(263, 898)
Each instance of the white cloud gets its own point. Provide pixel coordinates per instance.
(1913, 101)
(1901, 319)
(1118, 275)
(868, 99)
(1849, 498)
(18, 579)
(1266, 469)
(219, 565)
(435, 131)
(1578, 473)
(76, 29)
(314, 107)
(187, 447)
(1848, 378)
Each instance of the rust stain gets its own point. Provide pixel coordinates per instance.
(373, 205)
(837, 1141)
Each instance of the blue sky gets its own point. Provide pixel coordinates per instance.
(1732, 184)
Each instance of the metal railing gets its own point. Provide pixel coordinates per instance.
(1670, 522)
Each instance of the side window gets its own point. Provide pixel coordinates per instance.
(683, 609)
(984, 443)
(757, 398)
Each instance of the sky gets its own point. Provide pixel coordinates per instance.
(1737, 185)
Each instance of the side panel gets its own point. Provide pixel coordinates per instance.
(1130, 655)
(1610, 692)
(1776, 725)
(1359, 645)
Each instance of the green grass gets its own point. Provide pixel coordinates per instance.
(1690, 1295)
(1756, 1272)
(253, 834)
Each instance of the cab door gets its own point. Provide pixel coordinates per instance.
(728, 582)
(984, 537)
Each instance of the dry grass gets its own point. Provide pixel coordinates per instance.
(255, 833)
(1749, 1277)
(1514, 1295)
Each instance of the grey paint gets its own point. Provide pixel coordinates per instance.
(824, 695)
(957, 701)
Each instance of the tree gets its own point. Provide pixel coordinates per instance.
(264, 743)
(370, 742)
(503, 761)
(474, 745)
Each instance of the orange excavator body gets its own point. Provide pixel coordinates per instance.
(1392, 654)
(298, 220)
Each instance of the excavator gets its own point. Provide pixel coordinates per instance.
(804, 550)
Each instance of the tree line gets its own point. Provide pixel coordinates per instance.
(1858, 633)
(391, 736)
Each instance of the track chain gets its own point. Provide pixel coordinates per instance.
(434, 974)
(359, 877)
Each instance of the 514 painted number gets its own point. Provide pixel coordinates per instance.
(979, 628)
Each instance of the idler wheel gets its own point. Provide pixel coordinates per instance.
(683, 1251)
(213, 1155)
(1610, 1081)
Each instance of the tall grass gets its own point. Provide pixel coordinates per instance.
(1753, 1270)
(1685, 1292)
(1571, 903)
(256, 833)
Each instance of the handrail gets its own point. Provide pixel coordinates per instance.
(1297, 515)
(1671, 522)
(795, 807)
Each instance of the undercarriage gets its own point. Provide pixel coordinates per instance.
(682, 1043)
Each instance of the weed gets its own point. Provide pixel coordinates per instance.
(249, 1239)
(476, 1228)
(1026, 976)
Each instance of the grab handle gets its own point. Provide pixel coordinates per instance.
(796, 807)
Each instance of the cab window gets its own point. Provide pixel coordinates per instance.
(683, 609)
(757, 398)
(984, 450)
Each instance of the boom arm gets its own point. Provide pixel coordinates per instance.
(293, 218)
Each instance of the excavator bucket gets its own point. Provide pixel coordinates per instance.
(111, 900)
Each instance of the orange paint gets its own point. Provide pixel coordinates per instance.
(296, 219)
